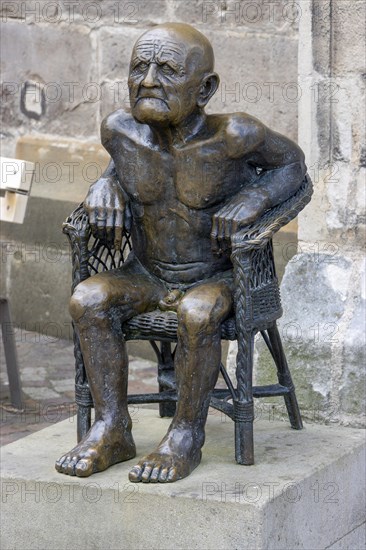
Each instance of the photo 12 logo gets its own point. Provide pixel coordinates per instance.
(70, 11)
(241, 13)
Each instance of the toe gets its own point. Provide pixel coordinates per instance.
(135, 473)
(84, 468)
(65, 464)
(172, 475)
(70, 468)
(163, 475)
(154, 478)
(145, 478)
(59, 463)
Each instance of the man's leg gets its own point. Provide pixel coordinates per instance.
(197, 364)
(98, 306)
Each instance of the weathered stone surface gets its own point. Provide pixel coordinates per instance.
(305, 491)
(323, 332)
(46, 59)
(262, 82)
(37, 284)
(349, 32)
(320, 14)
(115, 51)
(115, 96)
(313, 305)
(352, 390)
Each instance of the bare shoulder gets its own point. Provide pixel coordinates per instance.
(248, 137)
(118, 126)
(242, 133)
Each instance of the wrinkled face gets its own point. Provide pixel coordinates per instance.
(163, 84)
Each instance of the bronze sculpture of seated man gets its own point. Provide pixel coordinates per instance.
(184, 182)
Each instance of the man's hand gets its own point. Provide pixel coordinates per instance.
(242, 210)
(105, 204)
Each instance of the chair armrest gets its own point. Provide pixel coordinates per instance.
(254, 271)
(260, 232)
(90, 255)
(77, 229)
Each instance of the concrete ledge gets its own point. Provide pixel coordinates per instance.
(305, 491)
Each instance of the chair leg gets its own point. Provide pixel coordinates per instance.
(167, 409)
(10, 354)
(284, 378)
(244, 405)
(166, 369)
(83, 421)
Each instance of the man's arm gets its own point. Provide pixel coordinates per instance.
(106, 201)
(282, 170)
(106, 204)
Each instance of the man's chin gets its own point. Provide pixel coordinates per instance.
(151, 111)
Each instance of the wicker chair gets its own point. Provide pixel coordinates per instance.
(257, 307)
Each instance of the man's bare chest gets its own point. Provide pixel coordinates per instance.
(197, 177)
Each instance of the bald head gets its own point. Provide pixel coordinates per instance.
(182, 39)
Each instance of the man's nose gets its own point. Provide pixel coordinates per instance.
(150, 80)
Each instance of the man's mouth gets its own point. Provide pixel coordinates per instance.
(140, 98)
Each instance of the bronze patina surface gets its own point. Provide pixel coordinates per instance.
(183, 182)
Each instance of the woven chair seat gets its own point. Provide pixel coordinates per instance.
(162, 325)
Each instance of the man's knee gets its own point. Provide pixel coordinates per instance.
(204, 308)
(90, 299)
(198, 316)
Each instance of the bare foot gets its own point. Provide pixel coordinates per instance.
(100, 448)
(178, 454)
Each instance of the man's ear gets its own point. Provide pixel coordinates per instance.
(207, 89)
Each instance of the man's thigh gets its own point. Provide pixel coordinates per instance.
(129, 290)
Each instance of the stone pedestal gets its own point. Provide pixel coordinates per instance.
(305, 490)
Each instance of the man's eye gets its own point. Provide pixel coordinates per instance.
(141, 67)
(166, 69)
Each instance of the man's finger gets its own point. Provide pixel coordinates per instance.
(214, 232)
(118, 229)
(92, 221)
(110, 226)
(101, 220)
(228, 229)
(109, 231)
(221, 232)
(117, 237)
(235, 227)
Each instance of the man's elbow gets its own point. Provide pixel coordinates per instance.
(292, 176)
(298, 163)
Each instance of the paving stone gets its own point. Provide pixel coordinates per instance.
(61, 386)
(40, 393)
